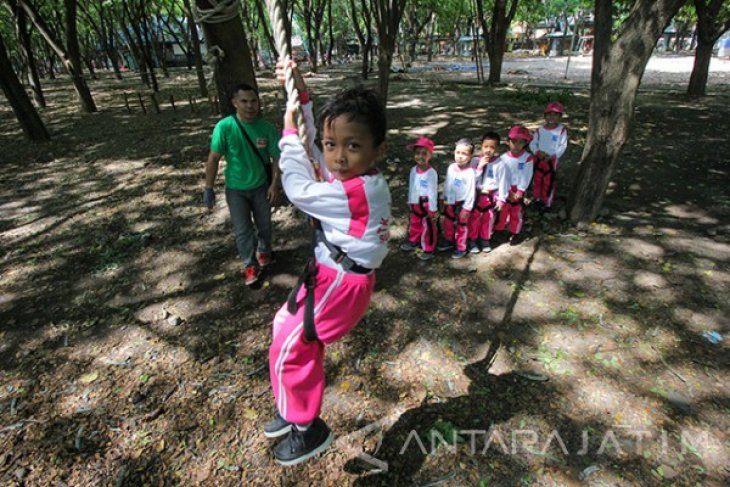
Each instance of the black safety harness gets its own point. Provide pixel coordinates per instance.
(308, 278)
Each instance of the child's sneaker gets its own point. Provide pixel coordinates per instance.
(277, 427)
(425, 255)
(251, 274)
(486, 247)
(458, 254)
(264, 259)
(303, 445)
(445, 246)
(408, 246)
(515, 239)
(473, 247)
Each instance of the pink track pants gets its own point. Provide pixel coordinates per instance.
(422, 229)
(512, 212)
(543, 184)
(481, 221)
(296, 366)
(456, 225)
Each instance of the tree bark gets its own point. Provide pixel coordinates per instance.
(26, 50)
(69, 56)
(710, 26)
(235, 66)
(496, 36)
(701, 69)
(617, 71)
(198, 56)
(388, 14)
(24, 110)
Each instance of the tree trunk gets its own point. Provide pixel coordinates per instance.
(712, 21)
(17, 97)
(196, 49)
(70, 57)
(236, 65)
(502, 16)
(388, 15)
(26, 50)
(617, 71)
(701, 69)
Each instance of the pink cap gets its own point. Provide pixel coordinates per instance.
(520, 132)
(554, 107)
(423, 142)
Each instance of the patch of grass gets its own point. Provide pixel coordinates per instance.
(540, 95)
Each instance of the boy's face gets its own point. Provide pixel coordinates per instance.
(349, 148)
(246, 104)
(422, 156)
(552, 118)
(517, 145)
(462, 155)
(489, 148)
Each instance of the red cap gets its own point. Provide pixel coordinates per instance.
(423, 141)
(554, 107)
(520, 132)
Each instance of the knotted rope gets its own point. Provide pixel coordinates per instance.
(222, 11)
(277, 14)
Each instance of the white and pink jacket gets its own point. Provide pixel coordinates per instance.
(423, 184)
(519, 168)
(355, 214)
(460, 185)
(552, 142)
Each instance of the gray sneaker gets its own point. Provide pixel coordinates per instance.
(425, 255)
(277, 427)
(408, 246)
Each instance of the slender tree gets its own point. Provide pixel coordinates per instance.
(618, 66)
(70, 54)
(17, 97)
(26, 50)
(495, 33)
(388, 14)
(713, 20)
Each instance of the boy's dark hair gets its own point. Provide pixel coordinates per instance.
(491, 136)
(466, 142)
(243, 87)
(357, 105)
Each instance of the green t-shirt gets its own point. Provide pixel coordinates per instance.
(243, 167)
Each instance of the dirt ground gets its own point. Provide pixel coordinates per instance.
(131, 353)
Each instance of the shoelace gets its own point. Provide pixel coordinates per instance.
(297, 440)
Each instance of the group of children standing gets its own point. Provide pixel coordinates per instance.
(483, 193)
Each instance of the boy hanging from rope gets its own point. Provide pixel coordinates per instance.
(351, 213)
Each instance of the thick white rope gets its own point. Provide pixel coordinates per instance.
(222, 11)
(277, 14)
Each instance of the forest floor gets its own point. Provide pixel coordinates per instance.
(132, 354)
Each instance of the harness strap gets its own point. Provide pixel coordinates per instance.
(308, 278)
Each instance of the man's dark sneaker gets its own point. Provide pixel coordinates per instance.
(486, 247)
(251, 274)
(445, 246)
(408, 246)
(277, 427)
(458, 254)
(300, 446)
(473, 247)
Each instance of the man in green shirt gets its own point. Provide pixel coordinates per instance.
(250, 145)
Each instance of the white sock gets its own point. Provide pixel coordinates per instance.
(303, 427)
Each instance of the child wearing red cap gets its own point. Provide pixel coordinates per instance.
(459, 193)
(548, 145)
(519, 164)
(422, 200)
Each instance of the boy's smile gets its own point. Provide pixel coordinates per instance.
(422, 156)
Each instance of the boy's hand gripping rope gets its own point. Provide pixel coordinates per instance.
(277, 14)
